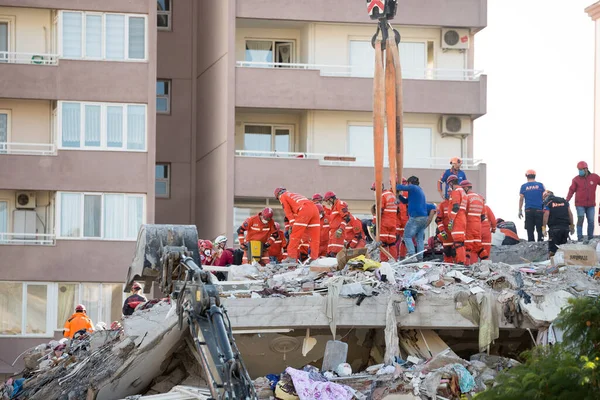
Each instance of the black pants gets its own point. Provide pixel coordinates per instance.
(558, 236)
(533, 221)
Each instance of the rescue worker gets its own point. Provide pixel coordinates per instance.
(304, 217)
(223, 256)
(558, 217)
(475, 214)
(455, 164)
(78, 321)
(206, 256)
(353, 235)
(324, 233)
(417, 213)
(531, 192)
(509, 229)
(257, 228)
(277, 244)
(457, 218)
(442, 219)
(317, 198)
(388, 223)
(584, 187)
(402, 219)
(488, 226)
(337, 223)
(132, 301)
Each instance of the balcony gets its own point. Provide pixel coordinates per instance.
(331, 87)
(28, 149)
(256, 172)
(28, 58)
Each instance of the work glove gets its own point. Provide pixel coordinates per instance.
(544, 231)
(451, 225)
(444, 235)
(520, 214)
(493, 230)
(347, 245)
(244, 246)
(338, 233)
(266, 245)
(571, 229)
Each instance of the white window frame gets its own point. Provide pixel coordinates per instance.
(8, 124)
(103, 44)
(166, 180)
(49, 313)
(273, 42)
(103, 128)
(10, 20)
(273, 128)
(169, 14)
(168, 83)
(82, 211)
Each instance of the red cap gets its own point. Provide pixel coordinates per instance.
(328, 195)
(80, 307)
(278, 191)
(452, 178)
(317, 197)
(466, 183)
(582, 165)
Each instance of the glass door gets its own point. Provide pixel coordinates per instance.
(3, 41)
(283, 53)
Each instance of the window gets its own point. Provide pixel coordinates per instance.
(269, 51)
(417, 145)
(3, 41)
(23, 308)
(100, 36)
(267, 138)
(102, 126)
(162, 181)
(100, 215)
(413, 56)
(163, 96)
(163, 14)
(3, 219)
(4, 130)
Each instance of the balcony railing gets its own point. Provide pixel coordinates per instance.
(43, 239)
(12, 57)
(444, 74)
(360, 161)
(32, 149)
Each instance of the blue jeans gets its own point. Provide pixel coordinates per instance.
(587, 212)
(415, 227)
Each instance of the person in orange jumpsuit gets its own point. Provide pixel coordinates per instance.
(475, 214)
(277, 245)
(457, 223)
(78, 321)
(488, 226)
(337, 223)
(444, 236)
(353, 235)
(389, 222)
(324, 231)
(304, 217)
(257, 228)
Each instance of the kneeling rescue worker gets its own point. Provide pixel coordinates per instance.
(78, 321)
(257, 228)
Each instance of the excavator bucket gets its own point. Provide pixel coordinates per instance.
(151, 242)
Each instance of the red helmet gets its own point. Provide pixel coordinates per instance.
(320, 208)
(466, 183)
(373, 186)
(329, 195)
(404, 181)
(530, 172)
(200, 243)
(582, 165)
(208, 245)
(277, 226)
(80, 307)
(136, 286)
(452, 178)
(278, 191)
(317, 197)
(267, 213)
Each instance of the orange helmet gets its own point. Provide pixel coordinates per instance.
(530, 172)
(456, 160)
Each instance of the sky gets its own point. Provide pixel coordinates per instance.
(539, 60)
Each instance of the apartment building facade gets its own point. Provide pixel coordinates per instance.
(281, 95)
(77, 160)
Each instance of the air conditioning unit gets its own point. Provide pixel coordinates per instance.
(455, 125)
(455, 39)
(25, 200)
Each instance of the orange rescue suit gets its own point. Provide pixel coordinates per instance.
(458, 220)
(77, 322)
(401, 223)
(488, 226)
(389, 224)
(324, 235)
(304, 217)
(442, 220)
(277, 244)
(475, 213)
(339, 211)
(255, 230)
(354, 234)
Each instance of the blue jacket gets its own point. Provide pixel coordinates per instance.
(417, 205)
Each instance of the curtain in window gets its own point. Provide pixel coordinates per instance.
(37, 307)
(112, 301)
(92, 125)
(135, 215)
(259, 51)
(114, 216)
(257, 138)
(137, 46)
(93, 36)
(283, 53)
(115, 37)
(114, 126)
(91, 215)
(11, 308)
(66, 302)
(71, 34)
(3, 38)
(136, 127)
(3, 220)
(3, 132)
(90, 298)
(71, 124)
(70, 215)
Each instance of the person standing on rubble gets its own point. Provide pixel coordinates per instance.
(77, 322)
(337, 223)
(442, 219)
(257, 228)
(134, 299)
(475, 214)
(455, 164)
(388, 222)
(457, 223)
(417, 216)
(304, 217)
(531, 193)
(584, 187)
(558, 217)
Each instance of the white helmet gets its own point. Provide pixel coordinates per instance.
(220, 239)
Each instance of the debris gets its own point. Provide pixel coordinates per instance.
(335, 354)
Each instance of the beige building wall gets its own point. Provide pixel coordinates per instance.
(29, 120)
(30, 29)
(45, 202)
